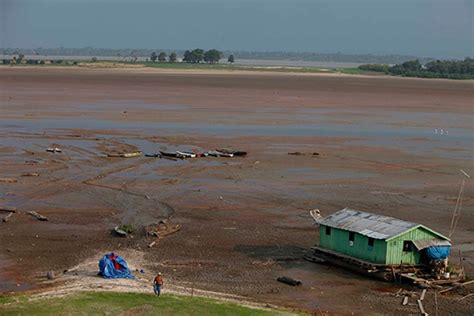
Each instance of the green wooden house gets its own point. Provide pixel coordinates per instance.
(378, 239)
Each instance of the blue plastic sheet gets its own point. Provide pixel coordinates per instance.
(438, 252)
(113, 267)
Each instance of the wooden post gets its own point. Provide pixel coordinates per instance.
(462, 266)
(422, 297)
(436, 302)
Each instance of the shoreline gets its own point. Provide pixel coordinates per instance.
(257, 71)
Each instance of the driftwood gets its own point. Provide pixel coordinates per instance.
(405, 300)
(422, 296)
(465, 296)
(8, 180)
(30, 174)
(7, 218)
(8, 209)
(455, 287)
(289, 281)
(37, 215)
(422, 309)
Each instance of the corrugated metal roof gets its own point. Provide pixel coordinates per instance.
(425, 243)
(368, 224)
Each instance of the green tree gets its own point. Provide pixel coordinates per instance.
(231, 59)
(172, 58)
(162, 57)
(197, 55)
(212, 56)
(187, 56)
(153, 57)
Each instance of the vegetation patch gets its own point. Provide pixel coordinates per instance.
(109, 303)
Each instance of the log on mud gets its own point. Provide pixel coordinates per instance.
(37, 215)
(30, 174)
(7, 218)
(289, 281)
(8, 180)
(8, 209)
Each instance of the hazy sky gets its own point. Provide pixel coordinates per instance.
(437, 28)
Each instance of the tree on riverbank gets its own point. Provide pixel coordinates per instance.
(198, 55)
(212, 56)
(162, 57)
(172, 58)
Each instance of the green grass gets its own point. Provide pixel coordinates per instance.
(102, 303)
(180, 65)
(357, 71)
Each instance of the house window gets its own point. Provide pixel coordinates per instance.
(371, 243)
(351, 236)
(328, 230)
(406, 245)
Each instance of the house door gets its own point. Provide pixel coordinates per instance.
(409, 252)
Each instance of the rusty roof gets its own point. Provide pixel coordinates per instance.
(368, 224)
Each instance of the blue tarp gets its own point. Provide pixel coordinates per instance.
(438, 252)
(112, 266)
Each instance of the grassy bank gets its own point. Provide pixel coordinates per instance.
(108, 303)
(178, 65)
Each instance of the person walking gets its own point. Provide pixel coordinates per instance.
(157, 283)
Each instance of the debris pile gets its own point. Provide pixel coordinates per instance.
(162, 229)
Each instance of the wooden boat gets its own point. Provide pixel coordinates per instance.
(186, 154)
(216, 153)
(170, 154)
(120, 232)
(237, 153)
(132, 154)
(125, 155)
(53, 150)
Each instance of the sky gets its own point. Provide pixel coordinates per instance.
(426, 28)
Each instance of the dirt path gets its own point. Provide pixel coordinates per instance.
(83, 278)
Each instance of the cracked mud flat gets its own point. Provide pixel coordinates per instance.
(244, 220)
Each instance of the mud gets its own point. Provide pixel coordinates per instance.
(387, 145)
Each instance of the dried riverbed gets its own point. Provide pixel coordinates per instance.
(387, 145)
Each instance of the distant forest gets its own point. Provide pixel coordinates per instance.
(451, 69)
(297, 56)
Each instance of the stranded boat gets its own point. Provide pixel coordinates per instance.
(125, 155)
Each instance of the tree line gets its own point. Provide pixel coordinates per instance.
(194, 56)
(451, 69)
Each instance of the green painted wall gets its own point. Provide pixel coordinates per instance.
(339, 241)
(390, 252)
(395, 253)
